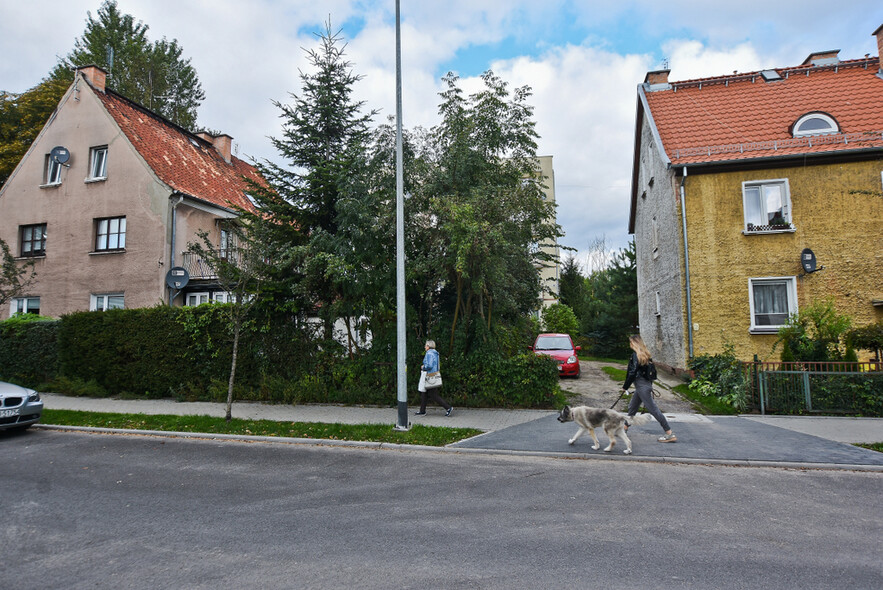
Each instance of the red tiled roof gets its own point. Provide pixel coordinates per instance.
(744, 117)
(180, 159)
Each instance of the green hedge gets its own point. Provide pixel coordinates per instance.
(185, 354)
(28, 350)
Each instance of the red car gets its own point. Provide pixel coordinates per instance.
(560, 347)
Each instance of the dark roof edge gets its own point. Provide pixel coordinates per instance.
(785, 160)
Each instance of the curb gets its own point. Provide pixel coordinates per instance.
(463, 450)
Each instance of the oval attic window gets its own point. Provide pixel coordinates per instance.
(815, 124)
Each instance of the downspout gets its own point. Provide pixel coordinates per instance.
(687, 264)
(174, 226)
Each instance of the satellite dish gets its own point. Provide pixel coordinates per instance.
(60, 154)
(808, 261)
(177, 277)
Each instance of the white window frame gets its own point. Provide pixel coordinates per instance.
(101, 301)
(222, 297)
(110, 237)
(790, 292)
(199, 297)
(52, 171)
(22, 304)
(97, 164)
(832, 125)
(761, 205)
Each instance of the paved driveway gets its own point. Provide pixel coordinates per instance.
(728, 439)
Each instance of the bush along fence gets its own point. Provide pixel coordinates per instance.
(853, 388)
(184, 353)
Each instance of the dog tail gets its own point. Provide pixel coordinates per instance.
(640, 419)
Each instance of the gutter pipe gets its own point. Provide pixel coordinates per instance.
(687, 264)
(174, 226)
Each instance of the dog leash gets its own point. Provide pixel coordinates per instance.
(654, 392)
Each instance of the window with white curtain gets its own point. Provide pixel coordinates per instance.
(766, 205)
(110, 234)
(773, 300)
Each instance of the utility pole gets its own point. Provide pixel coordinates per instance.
(401, 349)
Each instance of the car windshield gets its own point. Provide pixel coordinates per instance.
(553, 343)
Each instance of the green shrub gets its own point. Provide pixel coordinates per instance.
(560, 319)
(721, 376)
(28, 349)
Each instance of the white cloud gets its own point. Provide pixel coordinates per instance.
(584, 59)
(585, 109)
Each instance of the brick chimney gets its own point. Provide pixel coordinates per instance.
(96, 76)
(879, 34)
(657, 80)
(822, 58)
(222, 143)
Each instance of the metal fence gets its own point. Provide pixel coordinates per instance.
(817, 387)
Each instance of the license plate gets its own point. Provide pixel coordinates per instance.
(8, 413)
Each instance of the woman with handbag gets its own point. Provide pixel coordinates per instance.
(430, 380)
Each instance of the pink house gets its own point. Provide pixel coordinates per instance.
(107, 198)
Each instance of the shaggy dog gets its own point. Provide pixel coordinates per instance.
(611, 421)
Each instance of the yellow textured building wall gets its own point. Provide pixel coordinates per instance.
(837, 211)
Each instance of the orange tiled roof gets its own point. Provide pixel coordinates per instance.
(743, 117)
(180, 159)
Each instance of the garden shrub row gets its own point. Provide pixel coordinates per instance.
(184, 353)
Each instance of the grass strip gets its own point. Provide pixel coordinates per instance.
(434, 436)
(873, 446)
(706, 404)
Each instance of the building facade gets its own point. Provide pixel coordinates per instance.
(107, 199)
(737, 181)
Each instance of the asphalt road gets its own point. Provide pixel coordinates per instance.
(86, 510)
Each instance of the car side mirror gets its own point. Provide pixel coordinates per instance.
(530, 348)
(578, 348)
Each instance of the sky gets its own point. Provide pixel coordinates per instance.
(583, 60)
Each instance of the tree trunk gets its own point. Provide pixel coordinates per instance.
(236, 330)
(456, 311)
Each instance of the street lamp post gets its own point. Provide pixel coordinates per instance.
(401, 350)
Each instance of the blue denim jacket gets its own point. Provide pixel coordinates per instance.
(430, 361)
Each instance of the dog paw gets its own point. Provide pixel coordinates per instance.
(627, 452)
(596, 447)
(571, 441)
(608, 449)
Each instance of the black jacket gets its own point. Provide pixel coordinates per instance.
(634, 371)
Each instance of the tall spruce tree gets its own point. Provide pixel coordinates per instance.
(611, 312)
(314, 209)
(154, 75)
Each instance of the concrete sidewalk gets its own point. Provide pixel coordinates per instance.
(482, 419)
(847, 430)
(788, 441)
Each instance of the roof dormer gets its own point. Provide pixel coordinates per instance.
(815, 123)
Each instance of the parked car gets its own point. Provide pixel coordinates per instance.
(560, 347)
(20, 407)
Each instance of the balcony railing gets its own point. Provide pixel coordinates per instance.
(199, 268)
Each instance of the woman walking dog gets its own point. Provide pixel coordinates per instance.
(638, 372)
(428, 372)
